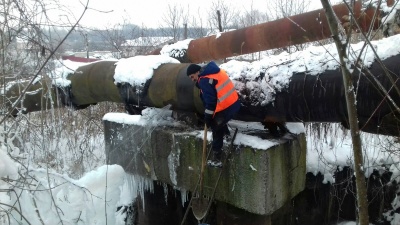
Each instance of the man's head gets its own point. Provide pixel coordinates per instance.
(193, 71)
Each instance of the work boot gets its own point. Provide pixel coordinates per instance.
(215, 160)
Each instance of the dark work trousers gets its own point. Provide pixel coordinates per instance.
(219, 128)
(219, 125)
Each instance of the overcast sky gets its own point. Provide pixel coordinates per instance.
(149, 13)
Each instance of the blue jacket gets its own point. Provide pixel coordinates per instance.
(208, 92)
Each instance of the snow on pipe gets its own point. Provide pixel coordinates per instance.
(306, 98)
(321, 98)
(298, 29)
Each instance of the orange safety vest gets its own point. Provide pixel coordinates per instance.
(226, 93)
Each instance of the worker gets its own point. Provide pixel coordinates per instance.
(221, 103)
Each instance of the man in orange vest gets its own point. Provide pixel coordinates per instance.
(220, 100)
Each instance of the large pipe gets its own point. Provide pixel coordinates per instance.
(298, 29)
(308, 98)
(39, 96)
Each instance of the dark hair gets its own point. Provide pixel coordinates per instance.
(192, 68)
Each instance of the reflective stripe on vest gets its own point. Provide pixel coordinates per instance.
(226, 92)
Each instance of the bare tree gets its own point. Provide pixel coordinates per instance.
(252, 17)
(228, 15)
(118, 35)
(28, 41)
(173, 21)
(285, 8)
(197, 27)
(342, 38)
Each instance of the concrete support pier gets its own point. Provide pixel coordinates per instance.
(261, 175)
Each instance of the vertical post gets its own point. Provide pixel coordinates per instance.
(220, 26)
(185, 35)
(219, 21)
(87, 45)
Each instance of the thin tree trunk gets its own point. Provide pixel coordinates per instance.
(341, 45)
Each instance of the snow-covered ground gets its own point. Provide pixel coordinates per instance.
(94, 198)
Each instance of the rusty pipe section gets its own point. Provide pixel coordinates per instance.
(298, 29)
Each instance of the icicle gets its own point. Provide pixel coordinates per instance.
(184, 196)
(139, 185)
(165, 193)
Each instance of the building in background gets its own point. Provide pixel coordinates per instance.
(143, 45)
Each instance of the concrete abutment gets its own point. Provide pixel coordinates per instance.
(255, 182)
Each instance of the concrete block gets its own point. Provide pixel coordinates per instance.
(257, 180)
